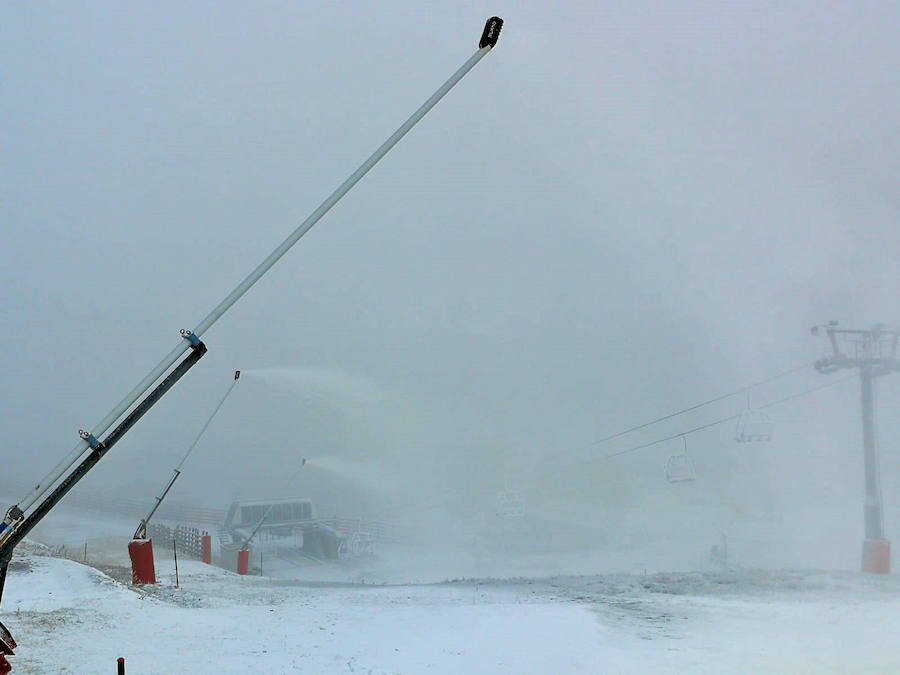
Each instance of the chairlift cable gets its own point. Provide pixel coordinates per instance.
(746, 388)
(731, 418)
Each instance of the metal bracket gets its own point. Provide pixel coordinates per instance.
(190, 337)
(14, 517)
(90, 438)
(14, 513)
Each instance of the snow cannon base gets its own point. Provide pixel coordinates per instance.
(142, 569)
(243, 561)
(207, 548)
(876, 556)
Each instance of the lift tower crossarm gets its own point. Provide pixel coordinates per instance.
(15, 513)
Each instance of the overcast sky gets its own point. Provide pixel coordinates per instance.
(621, 211)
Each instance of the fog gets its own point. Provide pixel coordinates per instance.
(622, 211)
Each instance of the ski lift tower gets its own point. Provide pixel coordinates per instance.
(874, 353)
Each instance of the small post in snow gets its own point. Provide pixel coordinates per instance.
(175, 553)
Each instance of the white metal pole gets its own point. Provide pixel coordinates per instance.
(173, 356)
(335, 196)
(209, 421)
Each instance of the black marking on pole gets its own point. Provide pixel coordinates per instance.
(491, 32)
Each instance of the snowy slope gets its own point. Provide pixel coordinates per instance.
(69, 617)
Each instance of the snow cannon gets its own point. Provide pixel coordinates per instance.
(140, 549)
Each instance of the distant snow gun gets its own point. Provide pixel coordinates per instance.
(262, 520)
(243, 553)
(92, 445)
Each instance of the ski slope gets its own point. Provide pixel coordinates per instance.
(69, 617)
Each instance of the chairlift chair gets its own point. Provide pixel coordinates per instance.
(510, 504)
(753, 426)
(680, 467)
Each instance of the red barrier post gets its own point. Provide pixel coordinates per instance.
(207, 548)
(243, 561)
(142, 569)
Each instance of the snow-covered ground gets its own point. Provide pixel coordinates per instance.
(403, 612)
(69, 617)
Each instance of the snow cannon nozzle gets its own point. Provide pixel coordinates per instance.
(491, 32)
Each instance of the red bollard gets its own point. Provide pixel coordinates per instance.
(142, 568)
(876, 556)
(207, 549)
(243, 561)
